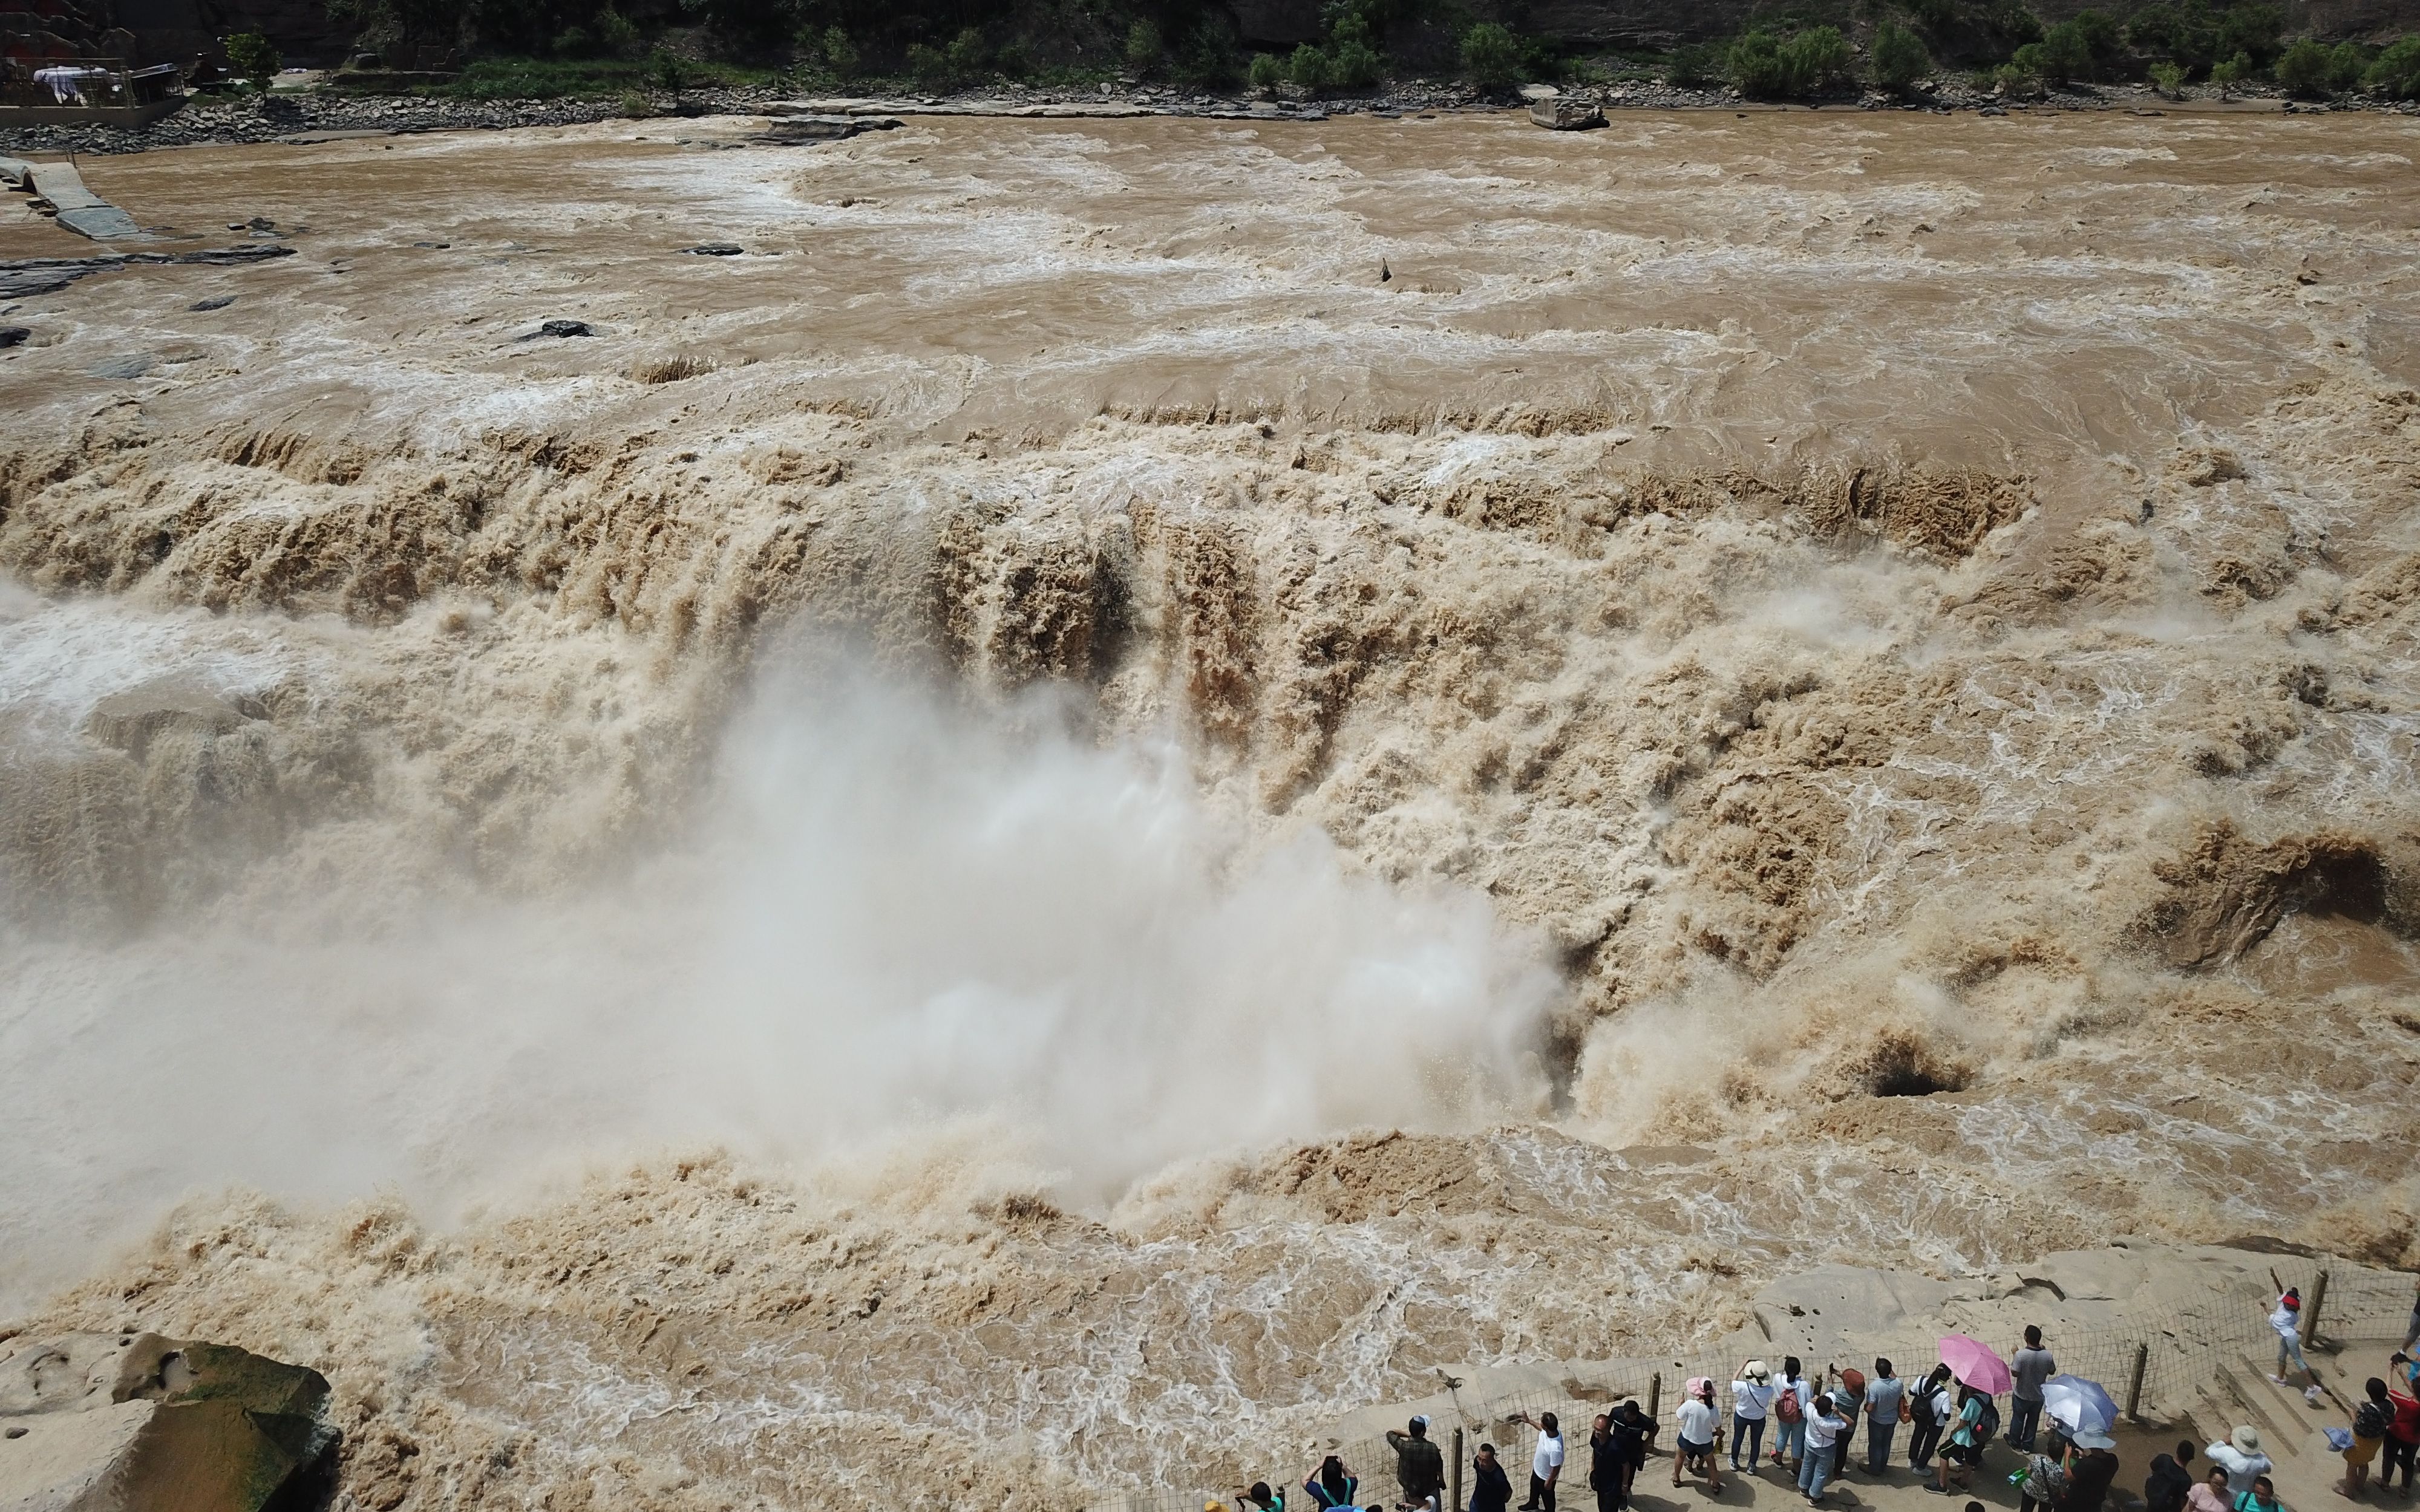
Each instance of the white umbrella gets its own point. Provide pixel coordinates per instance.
(2078, 1405)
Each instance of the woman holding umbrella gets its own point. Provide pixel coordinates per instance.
(1984, 1375)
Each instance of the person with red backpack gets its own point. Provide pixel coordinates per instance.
(1790, 1414)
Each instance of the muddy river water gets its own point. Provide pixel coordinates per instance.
(1136, 779)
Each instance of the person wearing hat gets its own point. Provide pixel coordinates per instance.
(1420, 1469)
(2090, 1473)
(2238, 1454)
(1695, 1449)
(1751, 1405)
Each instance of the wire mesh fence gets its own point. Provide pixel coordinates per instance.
(2154, 1362)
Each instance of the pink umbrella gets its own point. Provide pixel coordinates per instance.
(1972, 1362)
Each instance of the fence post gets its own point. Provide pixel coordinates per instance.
(1655, 1397)
(1457, 1471)
(2134, 1386)
(2311, 1314)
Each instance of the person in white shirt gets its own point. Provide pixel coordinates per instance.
(2238, 1454)
(1547, 1465)
(1695, 1450)
(2287, 1318)
(1824, 1425)
(1751, 1405)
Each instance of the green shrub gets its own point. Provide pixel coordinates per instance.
(254, 58)
(839, 53)
(2232, 71)
(2252, 30)
(1818, 59)
(2015, 78)
(1266, 73)
(1807, 63)
(2062, 54)
(1309, 69)
(1491, 57)
(2397, 73)
(2347, 63)
(616, 35)
(928, 66)
(2306, 68)
(968, 54)
(2168, 80)
(1692, 67)
(666, 70)
(1209, 59)
(1143, 49)
(1355, 64)
(1012, 61)
(1896, 58)
(637, 106)
(1755, 65)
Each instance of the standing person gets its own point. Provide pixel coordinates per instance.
(1790, 1414)
(1849, 1400)
(1885, 1401)
(1826, 1427)
(1420, 1469)
(1331, 1485)
(2091, 1473)
(2370, 1423)
(1965, 1450)
(2238, 1454)
(1546, 1464)
(2402, 1434)
(2287, 1318)
(2210, 1493)
(1490, 1489)
(1930, 1412)
(2412, 1330)
(1695, 1449)
(1630, 1431)
(1262, 1499)
(1607, 1459)
(2030, 1368)
(1751, 1404)
(2171, 1480)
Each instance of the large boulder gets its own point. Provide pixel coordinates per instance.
(138, 1423)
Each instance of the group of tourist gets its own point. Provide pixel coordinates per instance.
(1813, 1424)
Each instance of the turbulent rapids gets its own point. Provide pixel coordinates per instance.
(1043, 826)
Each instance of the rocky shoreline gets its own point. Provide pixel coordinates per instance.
(318, 116)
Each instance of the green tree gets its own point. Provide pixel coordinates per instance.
(839, 53)
(1266, 73)
(968, 54)
(1309, 69)
(1352, 61)
(1896, 58)
(2228, 72)
(928, 66)
(1691, 67)
(254, 58)
(1817, 59)
(1209, 59)
(2397, 71)
(2252, 30)
(1491, 57)
(2347, 63)
(2168, 80)
(617, 33)
(1143, 47)
(1755, 65)
(2307, 69)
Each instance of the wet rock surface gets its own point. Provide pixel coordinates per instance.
(139, 1423)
